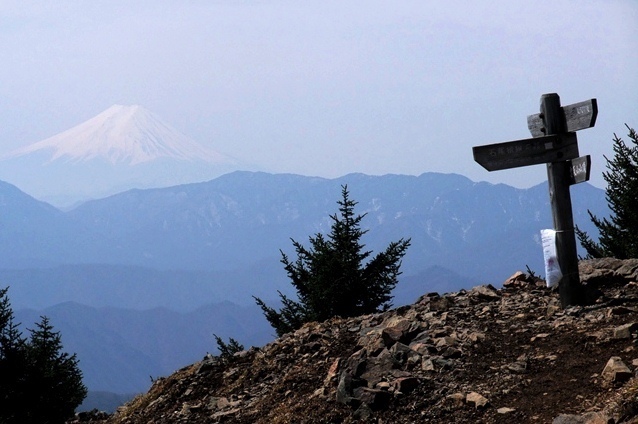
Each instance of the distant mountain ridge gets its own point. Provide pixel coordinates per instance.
(240, 221)
(241, 217)
(120, 350)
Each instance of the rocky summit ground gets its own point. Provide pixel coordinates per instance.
(484, 355)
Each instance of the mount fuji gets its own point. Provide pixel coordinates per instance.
(122, 148)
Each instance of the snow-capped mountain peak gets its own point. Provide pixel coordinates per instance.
(122, 134)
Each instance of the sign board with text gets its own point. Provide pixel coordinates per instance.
(579, 170)
(577, 117)
(530, 151)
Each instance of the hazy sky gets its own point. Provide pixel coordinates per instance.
(324, 87)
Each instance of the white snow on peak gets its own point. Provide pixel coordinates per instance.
(123, 134)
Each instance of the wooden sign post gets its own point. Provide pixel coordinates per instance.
(555, 144)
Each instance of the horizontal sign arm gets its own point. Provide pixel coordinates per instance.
(530, 151)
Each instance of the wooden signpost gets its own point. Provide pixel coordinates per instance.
(554, 142)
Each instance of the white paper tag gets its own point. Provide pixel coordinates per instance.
(553, 273)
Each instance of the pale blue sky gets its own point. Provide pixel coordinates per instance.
(324, 87)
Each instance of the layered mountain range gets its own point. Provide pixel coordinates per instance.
(233, 227)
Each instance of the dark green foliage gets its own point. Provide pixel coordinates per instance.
(13, 364)
(227, 350)
(38, 382)
(55, 382)
(332, 277)
(618, 234)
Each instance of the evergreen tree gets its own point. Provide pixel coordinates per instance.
(332, 278)
(55, 381)
(38, 382)
(618, 234)
(13, 350)
(11, 341)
